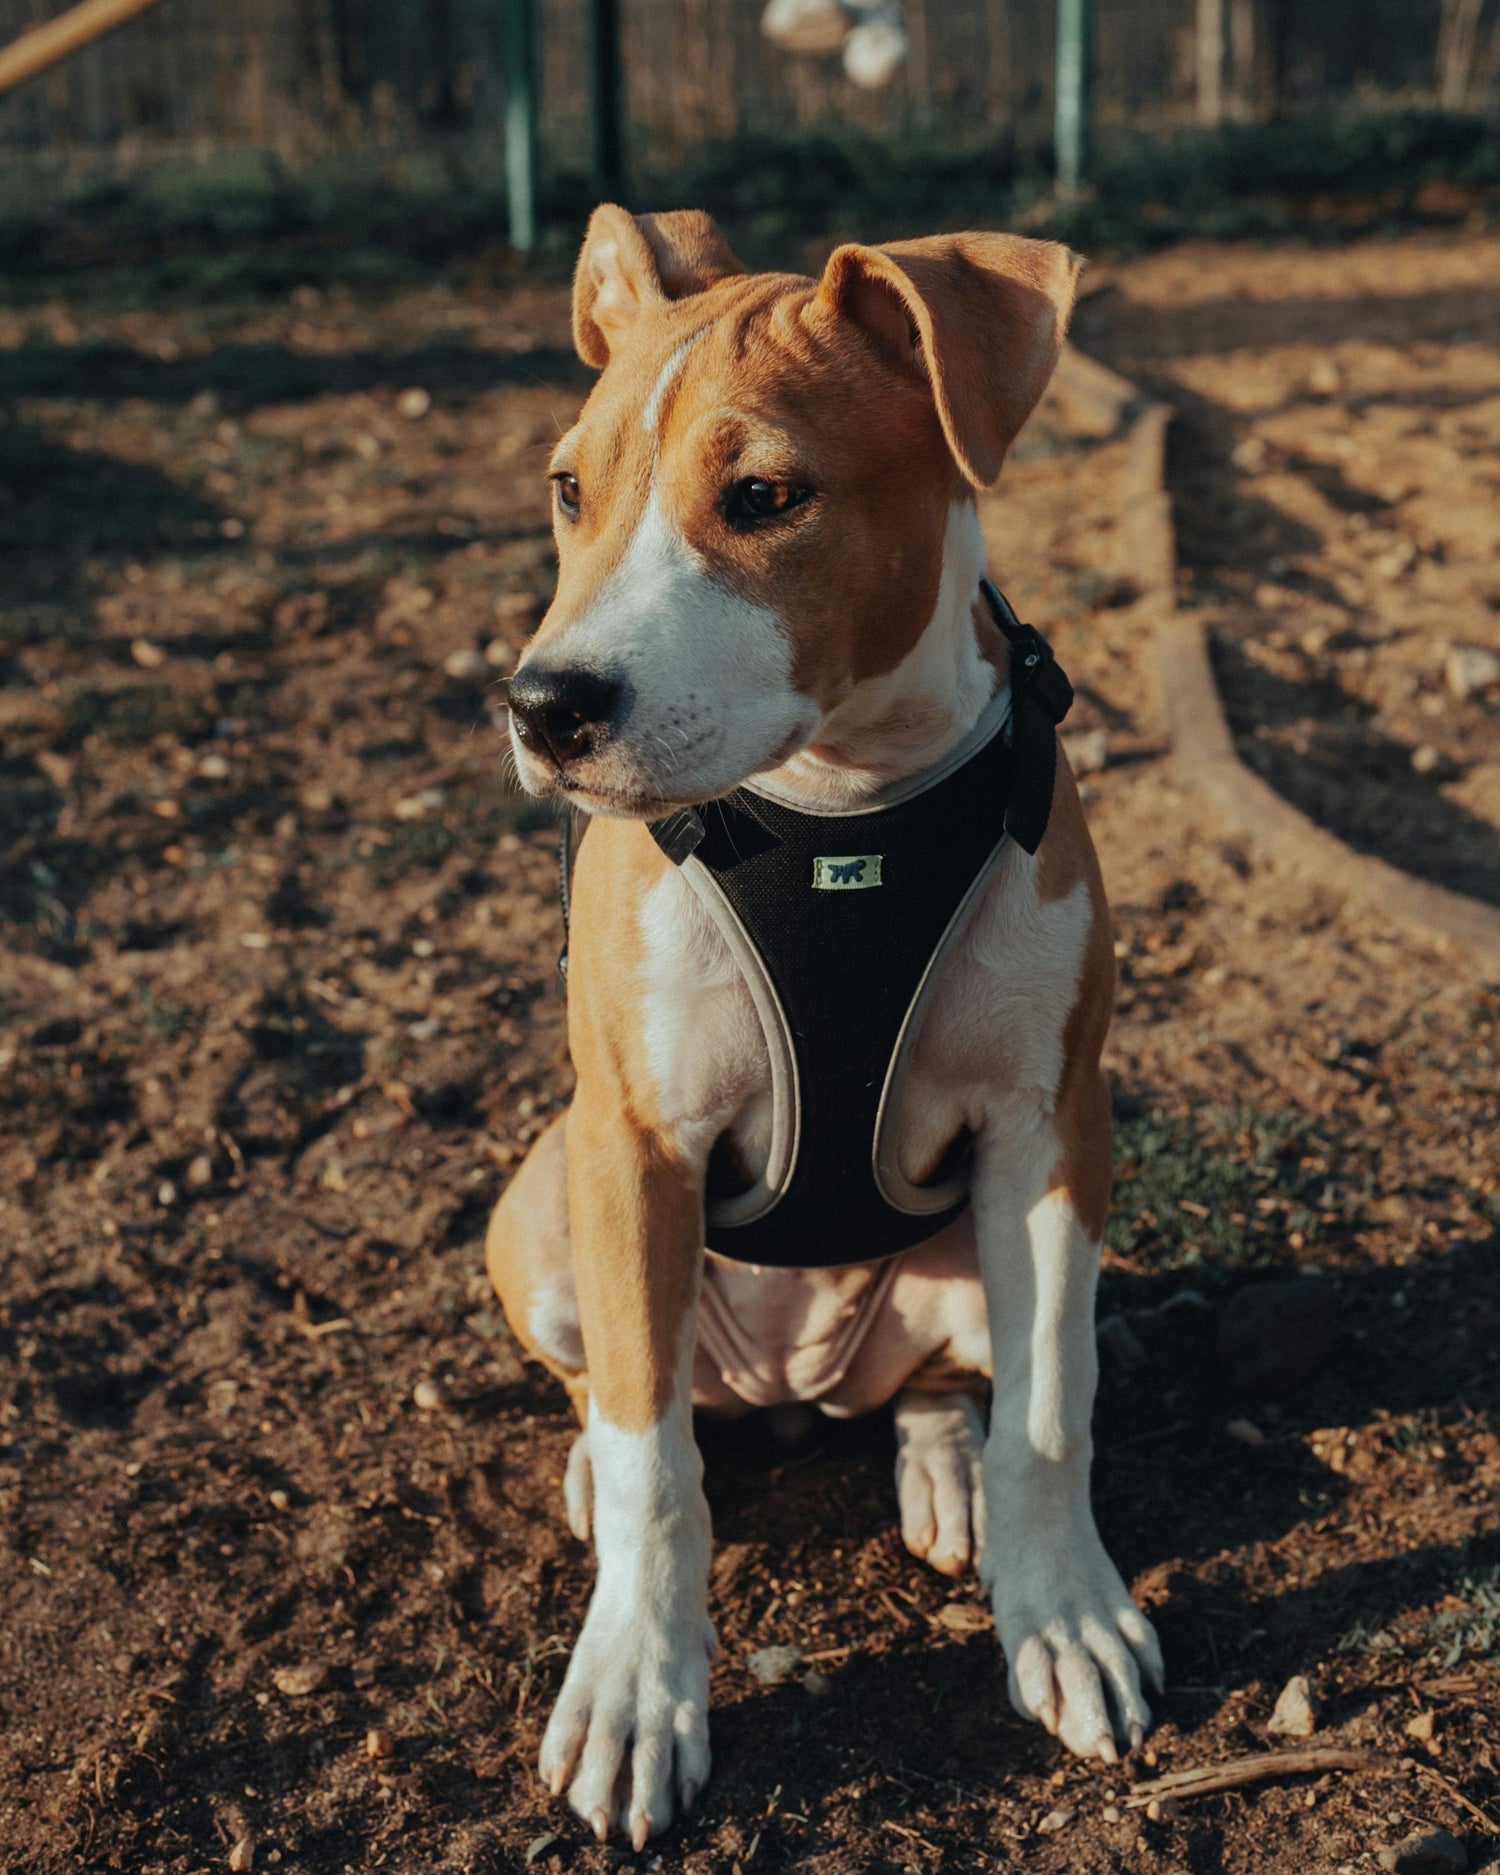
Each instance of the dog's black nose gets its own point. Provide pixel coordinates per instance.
(561, 713)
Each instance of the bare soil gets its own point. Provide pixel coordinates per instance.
(280, 1014)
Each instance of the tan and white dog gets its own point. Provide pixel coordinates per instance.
(769, 567)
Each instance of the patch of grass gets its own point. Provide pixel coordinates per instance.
(1220, 1197)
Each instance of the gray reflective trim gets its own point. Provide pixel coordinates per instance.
(890, 1181)
(992, 719)
(786, 1103)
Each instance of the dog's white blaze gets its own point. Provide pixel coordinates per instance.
(651, 409)
(710, 674)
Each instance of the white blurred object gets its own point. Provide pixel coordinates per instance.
(876, 49)
(868, 32)
(814, 27)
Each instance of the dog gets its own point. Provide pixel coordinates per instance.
(771, 591)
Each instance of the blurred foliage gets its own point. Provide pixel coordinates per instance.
(243, 223)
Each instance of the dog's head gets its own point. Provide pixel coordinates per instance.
(751, 510)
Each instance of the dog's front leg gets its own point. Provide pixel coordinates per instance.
(629, 1735)
(1074, 1641)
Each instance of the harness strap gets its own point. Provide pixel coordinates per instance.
(1041, 697)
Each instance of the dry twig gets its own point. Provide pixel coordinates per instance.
(1254, 1769)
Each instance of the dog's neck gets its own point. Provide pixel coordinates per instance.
(906, 720)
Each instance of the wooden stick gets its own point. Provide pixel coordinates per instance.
(1431, 1771)
(44, 45)
(1208, 1779)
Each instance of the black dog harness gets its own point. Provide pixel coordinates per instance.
(838, 922)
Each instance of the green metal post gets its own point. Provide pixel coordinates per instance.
(605, 71)
(1074, 73)
(520, 123)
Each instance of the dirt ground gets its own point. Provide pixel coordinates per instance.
(280, 1013)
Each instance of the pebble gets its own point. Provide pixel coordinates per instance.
(467, 666)
(297, 1682)
(772, 1665)
(1324, 379)
(1111, 1813)
(201, 1171)
(379, 1744)
(1471, 667)
(1273, 1336)
(413, 404)
(818, 1684)
(1163, 1809)
(242, 1853)
(1438, 1852)
(1055, 1820)
(150, 657)
(1422, 1728)
(278, 1499)
(166, 1193)
(427, 1396)
(1296, 1714)
(1425, 758)
(1244, 1432)
(214, 768)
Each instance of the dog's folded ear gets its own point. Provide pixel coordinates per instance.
(980, 316)
(632, 262)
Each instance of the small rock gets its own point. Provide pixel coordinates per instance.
(201, 1171)
(413, 404)
(818, 1684)
(1425, 759)
(1296, 1714)
(1273, 1336)
(427, 1396)
(149, 656)
(278, 1499)
(1438, 1852)
(1324, 379)
(1423, 1727)
(242, 1853)
(1244, 1432)
(1088, 752)
(467, 666)
(1470, 668)
(963, 1617)
(379, 1744)
(1055, 1820)
(419, 805)
(1111, 1813)
(1163, 1809)
(214, 768)
(297, 1682)
(772, 1665)
(166, 1194)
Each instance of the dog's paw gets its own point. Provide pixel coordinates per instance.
(1076, 1645)
(628, 1738)
(939, 1481)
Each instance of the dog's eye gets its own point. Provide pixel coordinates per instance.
(754, 500)
(569, 497)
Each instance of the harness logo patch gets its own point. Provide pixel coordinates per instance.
(846, 872)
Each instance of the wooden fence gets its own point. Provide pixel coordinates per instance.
(307, 78)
